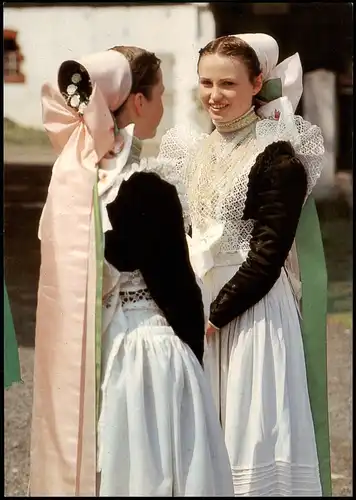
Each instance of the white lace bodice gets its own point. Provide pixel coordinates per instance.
(217, 184)
(216, 171)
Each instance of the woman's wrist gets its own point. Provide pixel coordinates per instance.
(213, 326)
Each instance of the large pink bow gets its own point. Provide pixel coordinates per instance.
(95, 127)
(63, 448)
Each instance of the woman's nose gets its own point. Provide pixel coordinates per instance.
(215, 94)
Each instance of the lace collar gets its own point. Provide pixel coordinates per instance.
(135, 152)
(238, 123)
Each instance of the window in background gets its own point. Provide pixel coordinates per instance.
(12, 58)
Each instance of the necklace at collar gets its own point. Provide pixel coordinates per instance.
(238, 123)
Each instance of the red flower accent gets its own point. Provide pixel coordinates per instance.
(276, 115)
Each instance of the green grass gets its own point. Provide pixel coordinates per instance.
(345, 319)
(24, 136)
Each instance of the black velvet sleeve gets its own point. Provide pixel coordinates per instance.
(277, 189)
(158, 248)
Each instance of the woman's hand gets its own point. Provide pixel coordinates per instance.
(211, 330)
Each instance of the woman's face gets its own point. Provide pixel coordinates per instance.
(224, 87)
(149, 111)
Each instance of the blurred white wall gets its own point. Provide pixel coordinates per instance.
(49, 35)
(320, 108)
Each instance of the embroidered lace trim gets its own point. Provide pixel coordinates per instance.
(135, 296)
(164, 169)
(238, 123)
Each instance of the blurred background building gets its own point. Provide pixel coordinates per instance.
(38, 37)
(322, 33)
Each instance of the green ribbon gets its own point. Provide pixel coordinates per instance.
(116, 128)
(99, 250)
(12, 372)
(314, 315)
(271, 90)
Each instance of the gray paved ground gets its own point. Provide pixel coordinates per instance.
(18, 417)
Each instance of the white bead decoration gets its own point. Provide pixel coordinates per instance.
(76, 78)
(75, 101)
(71, 89)
(82, 107)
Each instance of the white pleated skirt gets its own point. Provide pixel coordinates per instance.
(159, 431)
(257, 372)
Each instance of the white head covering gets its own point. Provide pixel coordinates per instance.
(266, 49)
(281, 82)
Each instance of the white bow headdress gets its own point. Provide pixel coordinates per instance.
(280, 82)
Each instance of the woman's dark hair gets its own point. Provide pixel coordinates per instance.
(232, 46)
(144, 68)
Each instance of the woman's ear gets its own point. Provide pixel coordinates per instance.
(138, 100)
(258, 84)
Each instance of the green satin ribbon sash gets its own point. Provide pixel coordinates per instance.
(12, 371)
(314, 315)
(99, 249)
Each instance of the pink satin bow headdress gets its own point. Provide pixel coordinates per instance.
(282, 83)
(90, 90)
(79, 121)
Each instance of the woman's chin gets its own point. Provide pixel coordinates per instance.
(217, 117)
(220, 117)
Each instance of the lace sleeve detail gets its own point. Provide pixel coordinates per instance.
(310, 151)
(306, 139)
(166, 170)
(178, 147)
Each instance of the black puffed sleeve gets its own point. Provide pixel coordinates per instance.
(147, 220)
(276, 192)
